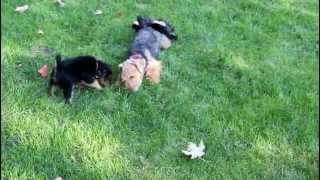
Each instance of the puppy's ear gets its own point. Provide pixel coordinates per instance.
(135, 25)
(139, 65)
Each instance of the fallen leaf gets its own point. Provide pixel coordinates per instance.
(119, 14)
(194, 151)
(60, 3)
(43, 71)
(40, 31)
(21, 9)
(98, 12)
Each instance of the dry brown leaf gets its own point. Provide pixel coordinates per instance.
(43, 71)
(119, 14)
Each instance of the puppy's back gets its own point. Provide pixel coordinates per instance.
(75, 68)
(146, 39)
(83, 63)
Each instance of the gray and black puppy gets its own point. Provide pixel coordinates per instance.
(151, 36)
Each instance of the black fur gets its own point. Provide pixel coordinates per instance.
(74, 71)
(167, 30)
(145, 22)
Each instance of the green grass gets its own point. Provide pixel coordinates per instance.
(242, 77)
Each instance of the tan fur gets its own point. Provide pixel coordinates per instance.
(132, 71)
(95, 84)
(103, 81)
(52, 89)
(153, 71)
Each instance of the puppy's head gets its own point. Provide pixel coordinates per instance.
(132, 71)
(103, 73)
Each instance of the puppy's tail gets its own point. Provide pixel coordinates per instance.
(143, 22)
(58, 62)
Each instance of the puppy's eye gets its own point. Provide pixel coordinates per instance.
(131, 77)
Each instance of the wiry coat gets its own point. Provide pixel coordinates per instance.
(146, 39)
(151, 37)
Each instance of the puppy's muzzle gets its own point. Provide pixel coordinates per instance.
(127, 87)
(103, 81)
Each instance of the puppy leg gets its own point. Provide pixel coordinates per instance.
(68, 92)
(153, 68)
(51, 88)
(153, 71)
(165, 42)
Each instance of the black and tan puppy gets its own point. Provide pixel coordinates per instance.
(81, 70)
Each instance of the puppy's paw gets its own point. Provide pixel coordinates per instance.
(51, 90)
(153, 78)
(95, 84)
(98, 87)
(153, 71)
(68, 101)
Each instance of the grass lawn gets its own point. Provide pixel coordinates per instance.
(242, 77)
